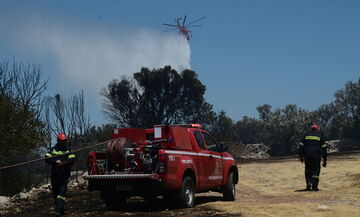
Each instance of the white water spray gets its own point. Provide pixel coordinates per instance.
(87, 57)
(90, 57)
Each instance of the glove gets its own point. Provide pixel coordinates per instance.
(302, 159)
(324, 164)
(59, 164)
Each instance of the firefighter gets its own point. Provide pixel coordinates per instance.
(60, 171)
(310, 149)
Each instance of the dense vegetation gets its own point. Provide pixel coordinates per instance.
(29, 119)
(283, 128)
(163, 96)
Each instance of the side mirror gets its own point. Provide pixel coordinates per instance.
(224, 147)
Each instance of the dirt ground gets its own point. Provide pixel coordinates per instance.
(266, 188)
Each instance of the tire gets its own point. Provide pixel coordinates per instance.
(113, 201)
(186, 195)
(229, 189)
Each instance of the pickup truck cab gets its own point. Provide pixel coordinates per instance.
(174, 161)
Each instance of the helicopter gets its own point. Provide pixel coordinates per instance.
(183, 28)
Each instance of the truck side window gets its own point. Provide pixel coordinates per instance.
(199, 139)
(210, 143)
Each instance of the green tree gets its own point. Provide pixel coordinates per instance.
(264, 112)
(248, 131)
(222, 128)
(20, 130)
(21, 126)
(286, 127)
(21, 96)
(281, 129)
(158, 96)
(347, 106)
(99, 134)
(325, 116)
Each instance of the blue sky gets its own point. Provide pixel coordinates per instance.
(247, 53)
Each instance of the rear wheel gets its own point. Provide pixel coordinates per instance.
(113, 200)
(229, 188)
(187, 193)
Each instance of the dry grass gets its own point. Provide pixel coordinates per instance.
(267, 188)
(273, 189)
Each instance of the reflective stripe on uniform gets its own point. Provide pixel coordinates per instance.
(59, 152)
(323, 146)
(71, 156)
(312, 138)
(48, 155)
(316, 177)
(301, 144)
(61, 197)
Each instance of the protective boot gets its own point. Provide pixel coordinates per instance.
(60, 204)
(315, 182)
(308, 179)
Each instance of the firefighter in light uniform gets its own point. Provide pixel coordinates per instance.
(60, 171)
(311, 149)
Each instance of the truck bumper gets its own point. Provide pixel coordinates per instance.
(129, 184)
(122, 177)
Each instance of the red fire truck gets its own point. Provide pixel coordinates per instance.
(174, 161)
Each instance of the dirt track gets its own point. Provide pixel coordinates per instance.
(266, 188)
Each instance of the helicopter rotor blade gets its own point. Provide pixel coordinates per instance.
(170, 30)
(194, 26)
(184, 20)
(165, 24)
(196, 20)
(178, 21)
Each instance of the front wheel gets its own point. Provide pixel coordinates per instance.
(229, 189)
(187, 193)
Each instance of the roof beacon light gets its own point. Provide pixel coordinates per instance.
(196, 125)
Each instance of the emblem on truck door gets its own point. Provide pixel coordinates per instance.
(187, 161)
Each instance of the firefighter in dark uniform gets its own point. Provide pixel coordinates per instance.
(311, 149)
(60, 171)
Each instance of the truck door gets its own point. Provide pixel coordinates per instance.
(215, 161)
(203, 160)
